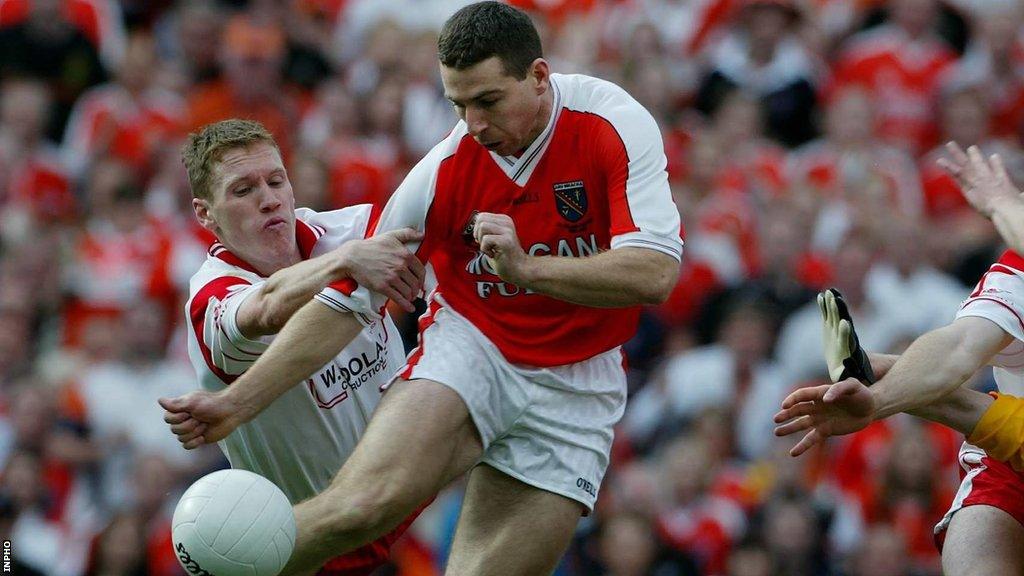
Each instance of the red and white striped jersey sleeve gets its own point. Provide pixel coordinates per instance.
(630, 146)
(212, 313)
(999, 296)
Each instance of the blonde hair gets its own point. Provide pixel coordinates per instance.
(206, 147)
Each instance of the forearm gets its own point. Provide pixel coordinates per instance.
(960, 410)
(314, 335)
(932, 367)
(611, 279)
(882, 363)
(287, 290)
(1008, 217)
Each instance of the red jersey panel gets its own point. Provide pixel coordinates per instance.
(594, 180)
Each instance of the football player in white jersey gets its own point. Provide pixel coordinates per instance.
(269, 260)
(983, 531)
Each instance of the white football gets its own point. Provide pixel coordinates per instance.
(233, 523)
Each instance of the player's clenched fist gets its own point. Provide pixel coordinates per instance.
(201, 417)
(496, 235)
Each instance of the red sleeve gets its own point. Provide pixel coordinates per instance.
(217, 288)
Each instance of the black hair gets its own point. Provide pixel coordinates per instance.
(485, 29)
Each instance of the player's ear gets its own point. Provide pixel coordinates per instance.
(201, 207)
(539, 73)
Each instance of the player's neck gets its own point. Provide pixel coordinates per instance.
(547, 102)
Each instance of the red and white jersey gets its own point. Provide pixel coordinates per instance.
(301, 440)
(999, 297)
(593, 180)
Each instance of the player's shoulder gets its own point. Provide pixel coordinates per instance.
(583, 93)
(216, 272)
(323, 221)
(603, 105)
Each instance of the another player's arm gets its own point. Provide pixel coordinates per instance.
(382, 263)
(987, 186)
(314, 334)
(936, 364)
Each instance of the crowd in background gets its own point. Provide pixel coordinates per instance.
(801, 138)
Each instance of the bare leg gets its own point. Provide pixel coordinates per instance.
(983, 540)
(419, 439)
(510, 528)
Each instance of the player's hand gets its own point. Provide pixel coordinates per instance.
(843, 353)
(496, 235)
(983, 182)
(828, 410)
(384, 265)
(201, 417)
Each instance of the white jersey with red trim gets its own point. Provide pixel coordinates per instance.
(999, 297)
(301, 440)
(593, 180)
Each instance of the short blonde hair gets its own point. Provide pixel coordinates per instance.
(206, 147)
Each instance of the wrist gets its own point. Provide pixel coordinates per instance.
(243, 408)
(526, 272)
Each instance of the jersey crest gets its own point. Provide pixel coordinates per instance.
(571, 200)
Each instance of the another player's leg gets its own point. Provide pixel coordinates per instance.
(419, 439)
(983, 540)
(510, 528)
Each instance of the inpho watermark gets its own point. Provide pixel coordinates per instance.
(7, 556)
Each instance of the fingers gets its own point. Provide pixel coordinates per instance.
(176, 417)
(821, 308)
(172, 404)
(844, 335)
(403, 297)
(405, 235)
(957, 153)
(194, 443)
(977, 162)
(798, 425)
(810, 408)
(954, 169)
(840, 389)
(187, 427)
(807, 442)
(831, 308)
(814, 393)
(1000, 171)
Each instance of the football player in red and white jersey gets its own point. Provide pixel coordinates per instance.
(983, 531)
(269, 260)
(547, 221)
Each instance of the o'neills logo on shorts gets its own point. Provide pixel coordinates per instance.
(191, 565)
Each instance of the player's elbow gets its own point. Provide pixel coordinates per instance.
(657, 286)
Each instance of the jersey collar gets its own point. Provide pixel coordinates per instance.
(519, 169)
(306, 236)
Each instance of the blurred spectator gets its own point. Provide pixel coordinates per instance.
(34, 186)
(189, 35)
(692, 519)
(764, 57)
(792, 533)
(882, 553)
(735, 373)
(119, 550)
(901, 63)
(101, 21)
(118, 400)
(994, 62)
(750, 559)
(129, 119)
(848, 153)
(628, 546)
(46, 44)
(251, 56)
(39, 538)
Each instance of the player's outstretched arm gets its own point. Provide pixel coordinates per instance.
(848, 405)
(987, 186)
(382, 264)
(616, 278)
(314, 335)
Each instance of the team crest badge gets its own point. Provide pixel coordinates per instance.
(571, 200)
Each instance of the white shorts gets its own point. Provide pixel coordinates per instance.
(548, 427)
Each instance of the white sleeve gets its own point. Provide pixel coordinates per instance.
(999, 297)
(229, 349)
(407, 208)
(643, 214)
